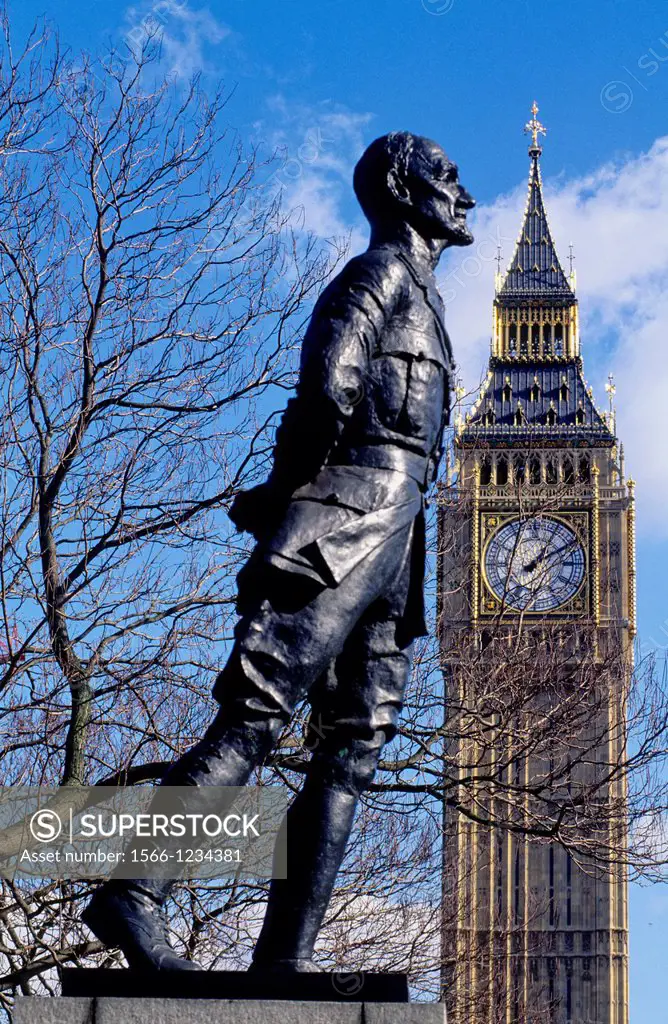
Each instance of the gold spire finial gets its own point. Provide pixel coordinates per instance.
(534, 128)
(460, 391)
(611, 388)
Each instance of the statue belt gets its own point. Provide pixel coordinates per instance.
(386, 456)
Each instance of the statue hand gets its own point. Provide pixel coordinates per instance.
(258, 509)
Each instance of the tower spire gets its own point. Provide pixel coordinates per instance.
(535, 271)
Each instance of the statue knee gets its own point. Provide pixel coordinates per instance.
(348, 762)
(364, 764)
(255, 685)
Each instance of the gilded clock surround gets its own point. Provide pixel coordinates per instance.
(578, 603)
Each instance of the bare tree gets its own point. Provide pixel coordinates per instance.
(152, 301)
(152, 298)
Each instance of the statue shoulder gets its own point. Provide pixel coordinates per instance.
(377, 272)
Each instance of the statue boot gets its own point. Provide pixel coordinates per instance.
(319, 823)
(129, 913)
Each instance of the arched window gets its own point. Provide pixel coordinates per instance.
(502, 470)
(534, 394)
(512, 341)
(558, 340)
(486, 471)
(563, 391)
(524, 340)
(584, 471)
(507, 392)
(568, 470)
(534, 470)
(580, 415)
(547, 340)
(519, 418)
(551, 471)
(519, 468)
(551, 417)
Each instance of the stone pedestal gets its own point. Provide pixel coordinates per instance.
(103, 996)
(119, 1010)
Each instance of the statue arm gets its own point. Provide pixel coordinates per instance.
(341, 337)
(331, 385)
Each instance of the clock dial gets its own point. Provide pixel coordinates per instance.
(535, 565)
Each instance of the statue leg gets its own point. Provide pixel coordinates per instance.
(283, 643)
(129, 913)
(350, 723)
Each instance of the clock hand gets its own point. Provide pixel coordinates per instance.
(530, 566)
(571, 546)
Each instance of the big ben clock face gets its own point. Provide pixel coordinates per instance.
(534, 565)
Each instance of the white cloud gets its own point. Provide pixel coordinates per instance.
(401, 934)
(317, 208)
(616, 217)
(316, 148)
(185, 33)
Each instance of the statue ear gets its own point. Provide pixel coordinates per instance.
(398, 188)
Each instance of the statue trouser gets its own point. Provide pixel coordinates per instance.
(346, 649)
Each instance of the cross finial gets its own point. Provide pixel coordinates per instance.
(534, 128)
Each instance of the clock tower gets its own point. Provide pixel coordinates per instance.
(543, 526)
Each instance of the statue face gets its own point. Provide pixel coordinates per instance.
(438, 199)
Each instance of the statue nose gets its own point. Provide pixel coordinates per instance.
(466, 199)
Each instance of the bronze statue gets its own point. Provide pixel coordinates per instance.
(331, 598)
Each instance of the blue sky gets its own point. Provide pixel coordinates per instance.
(324, 78)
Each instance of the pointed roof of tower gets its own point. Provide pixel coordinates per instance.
(535, 271)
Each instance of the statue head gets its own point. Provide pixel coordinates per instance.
(404, 178)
